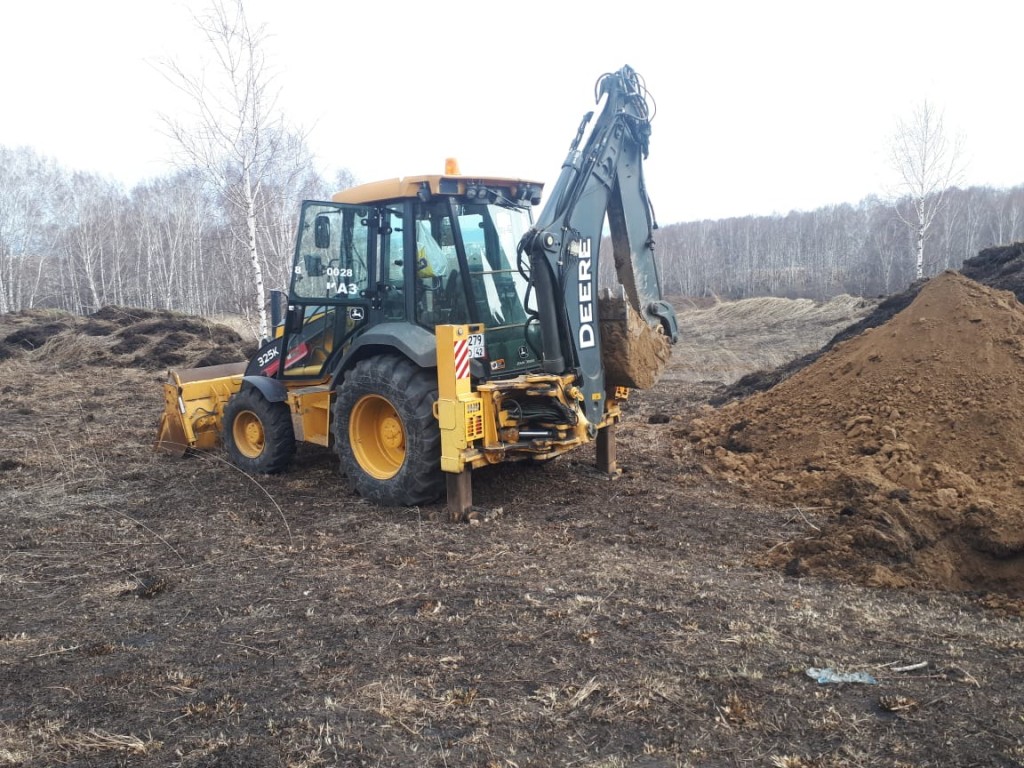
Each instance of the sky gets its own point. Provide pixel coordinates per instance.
(762, 108)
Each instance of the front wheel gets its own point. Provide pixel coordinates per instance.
(387, 438)
(258, 434)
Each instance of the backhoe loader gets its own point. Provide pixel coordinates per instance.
(432, 328)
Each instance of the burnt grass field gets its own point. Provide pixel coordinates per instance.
(161, 611)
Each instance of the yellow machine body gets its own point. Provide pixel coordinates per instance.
(476, 428)
(194, 402)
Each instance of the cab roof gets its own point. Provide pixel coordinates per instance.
(425, 186)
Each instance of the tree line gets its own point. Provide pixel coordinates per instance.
(78, 241)
(863, 249)
(216, 236)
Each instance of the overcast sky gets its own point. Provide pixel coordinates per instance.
(761, 107)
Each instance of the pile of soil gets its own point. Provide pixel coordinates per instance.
(122, 337)
(760, 381)
(910, 434)
(1000, 266)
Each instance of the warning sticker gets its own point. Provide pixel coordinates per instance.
(465, 350)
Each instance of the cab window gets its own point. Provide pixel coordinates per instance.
(440, 294)
(332, 257)
(491, 234)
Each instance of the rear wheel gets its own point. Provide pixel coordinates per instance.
(258, 434)
(385, 432)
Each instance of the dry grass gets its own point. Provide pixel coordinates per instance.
(52, 741)
(243, 326)
(723, 342)
(68, 351)
(594, 623)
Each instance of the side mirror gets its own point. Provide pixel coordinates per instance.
(322, 232)
(278, 301)
(314, 264)
(293, 318)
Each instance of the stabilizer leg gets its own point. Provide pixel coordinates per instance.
(607, 461)
(460, 494)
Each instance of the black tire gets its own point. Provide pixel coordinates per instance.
(385, 433)
(258, 435)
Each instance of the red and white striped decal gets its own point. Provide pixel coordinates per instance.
(461, 358)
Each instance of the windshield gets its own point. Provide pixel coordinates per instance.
(484, 285)
(491, 234)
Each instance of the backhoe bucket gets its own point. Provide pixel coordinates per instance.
(634, 353)
(194, 401)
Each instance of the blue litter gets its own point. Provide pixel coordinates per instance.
(831, 676)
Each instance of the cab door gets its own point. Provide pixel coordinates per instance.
(333, 286)
(391, 299)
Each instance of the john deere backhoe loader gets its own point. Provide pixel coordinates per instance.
(433, 328)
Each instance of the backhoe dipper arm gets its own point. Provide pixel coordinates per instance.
(602, 176)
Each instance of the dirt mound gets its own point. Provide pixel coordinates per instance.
(911, 433)
(760, 381)
(999, 267)
(120, 336)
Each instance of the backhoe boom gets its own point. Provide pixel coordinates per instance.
(601, 178)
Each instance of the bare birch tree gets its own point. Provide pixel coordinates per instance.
(238, 134)
(33, 192)
(928, 164)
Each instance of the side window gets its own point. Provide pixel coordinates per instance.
(309, 349)
(505, 229)
(440, 295)
(331, 260)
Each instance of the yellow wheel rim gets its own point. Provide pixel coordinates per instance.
(250, 438)
(377, 437)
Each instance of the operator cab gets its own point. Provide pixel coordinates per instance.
(421, 252)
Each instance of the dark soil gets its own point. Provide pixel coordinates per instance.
(175, 612)
(119, 336)
(1000, 267)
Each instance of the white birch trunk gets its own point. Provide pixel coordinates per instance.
(257, 267)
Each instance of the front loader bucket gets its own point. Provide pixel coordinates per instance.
(171, 437)
(194, 400)
(634, 353)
